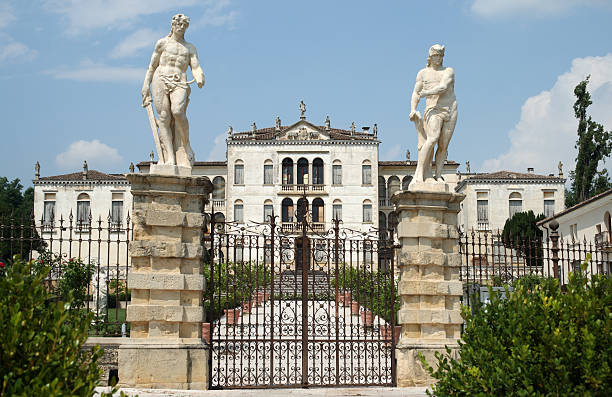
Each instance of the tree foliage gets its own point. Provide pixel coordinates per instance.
(41, 351)
(537, 342)
(522, 234)
(17, 235)
(594, 145)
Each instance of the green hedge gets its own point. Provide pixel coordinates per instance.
(371, 289)
(42, 338)
(539, 341)
(233, 283)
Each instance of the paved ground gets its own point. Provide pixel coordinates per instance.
(320, 392)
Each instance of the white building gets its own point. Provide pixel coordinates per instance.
(587, 221)
(492, 198)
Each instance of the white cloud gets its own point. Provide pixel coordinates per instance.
(218, 15)
(495, 8)
(89, 71)
(87, 15)
(97, 154)
(219, 148)
(7, 14)
(546, 131)
(12, 51)
(142, 38)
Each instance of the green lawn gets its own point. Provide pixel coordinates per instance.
(116, 317)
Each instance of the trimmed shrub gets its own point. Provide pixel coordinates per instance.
(41, 339)
(539, 341)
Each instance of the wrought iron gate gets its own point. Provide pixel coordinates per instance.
(299, 310)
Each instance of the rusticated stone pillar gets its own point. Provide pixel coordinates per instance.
(165, 349)
(429, 285)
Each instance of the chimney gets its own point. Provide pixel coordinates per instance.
(365, 129)
(530, 170)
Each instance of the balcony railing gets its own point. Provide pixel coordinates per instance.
(482, 225)
(603, 240)
(296, 227)
(218, 204)
(300, 188)
(382, 203)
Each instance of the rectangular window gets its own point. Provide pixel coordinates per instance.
(366, 174)
(49, 213)
(337, 211)
(483, 210)
(238, 213)
(116, 213)
(239, 174)
(515, 206)
(267, 212)
(337, 174)
(83, 212)
(549, 207)
(268, 174)
(367, 213)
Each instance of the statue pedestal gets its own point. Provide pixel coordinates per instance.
(429, 285)
(165, 349)
(167, 169)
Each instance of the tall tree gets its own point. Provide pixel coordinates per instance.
(17, 236)
(522, 234)
(594, 145)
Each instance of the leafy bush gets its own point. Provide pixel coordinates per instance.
(233, 284)
(538, 341)
(117, 292)
(41, 339)
(371, 289)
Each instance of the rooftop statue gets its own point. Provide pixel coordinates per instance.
(435, 83)
(166, 80)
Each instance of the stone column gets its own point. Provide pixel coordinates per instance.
(429, 285)
(165, 349)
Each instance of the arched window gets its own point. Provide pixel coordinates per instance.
(393, 185)
(382, 192)
(206, 223)
(608, 225)
(218, 192)
(287, 210)
(515, 203)
(268, 210)
(219, 222)
(239, 172)
(238, 211)
(406, 182)
(83, 209)
(366, 172)
(302, 172)
(302, 207)
(287, 171)
(318, 210)
(382, 225)
(268, 172)
(317, 171)
(337, 210)
(393, 221)
(337, 172)
(367, 211)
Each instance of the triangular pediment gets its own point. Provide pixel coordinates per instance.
(302, 131)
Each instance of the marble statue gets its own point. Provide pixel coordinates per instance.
(230, 131)
(435, 83)
(327, 123)
(302, 110)
(166, 87)
(277, 125)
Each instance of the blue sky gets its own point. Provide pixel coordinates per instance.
(71, 73)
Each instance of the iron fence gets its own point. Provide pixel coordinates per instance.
(100, 245)
(487, 260)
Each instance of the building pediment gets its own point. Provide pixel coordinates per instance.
(302, 131)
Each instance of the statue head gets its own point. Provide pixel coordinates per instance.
(435, 50)
(180, 23)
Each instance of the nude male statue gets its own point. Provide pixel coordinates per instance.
(436, 83)
(167, 76)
